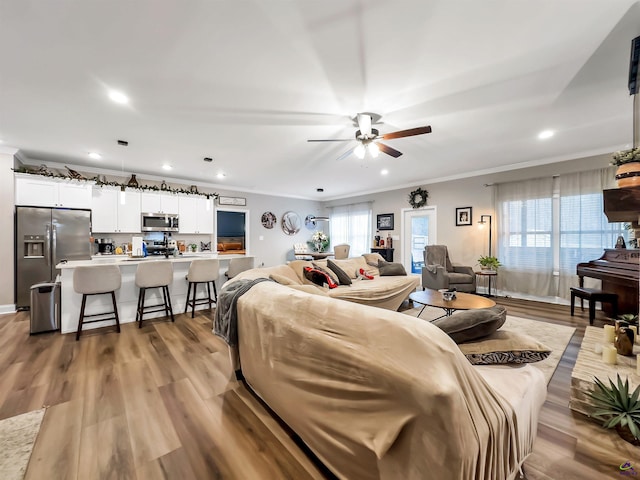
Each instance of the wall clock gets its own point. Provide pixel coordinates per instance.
(290, 223)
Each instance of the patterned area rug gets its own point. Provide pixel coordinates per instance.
(556, 337)
(17, 436)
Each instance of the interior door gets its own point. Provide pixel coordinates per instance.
(419, 230)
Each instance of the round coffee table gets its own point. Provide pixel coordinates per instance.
(463, 301)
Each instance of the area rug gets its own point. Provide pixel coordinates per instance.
(17, 436)
(556, 337)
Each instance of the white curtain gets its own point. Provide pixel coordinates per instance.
(546, 226)
(351, 224)
(524, 211)
(584, 229)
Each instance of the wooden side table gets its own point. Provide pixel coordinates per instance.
(490, 274)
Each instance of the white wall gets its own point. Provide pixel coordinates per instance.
(6, 232)
(465, 243)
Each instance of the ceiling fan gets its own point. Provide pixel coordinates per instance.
(368, 137)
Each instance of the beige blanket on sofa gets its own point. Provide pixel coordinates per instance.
(379, 394)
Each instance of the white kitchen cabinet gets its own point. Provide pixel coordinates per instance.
(159, 202)
(194, 215)
(110, 215)
(42, 192)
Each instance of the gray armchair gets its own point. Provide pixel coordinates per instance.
(439, 272)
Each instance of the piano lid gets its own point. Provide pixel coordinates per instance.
(622, 204)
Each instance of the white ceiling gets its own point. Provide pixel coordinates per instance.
(248, 82)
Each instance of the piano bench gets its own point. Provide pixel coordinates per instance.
(593, 295)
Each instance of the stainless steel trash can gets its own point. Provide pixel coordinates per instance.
(45, 307)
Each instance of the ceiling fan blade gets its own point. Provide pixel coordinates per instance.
(407, 133)
(333, 140)
(388, 150)
(345, 154)
(364, 123)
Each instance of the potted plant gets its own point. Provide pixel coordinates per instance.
(489, 262)
(618, 408)
(628, 163)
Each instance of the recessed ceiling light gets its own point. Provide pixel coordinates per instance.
(220, 175)
(95, 156)
(384, 171)
(167, 167)
(543, 135)
(118, 97)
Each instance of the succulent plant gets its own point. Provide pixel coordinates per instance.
(617, 407)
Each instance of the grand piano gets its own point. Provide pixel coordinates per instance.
(619, 270)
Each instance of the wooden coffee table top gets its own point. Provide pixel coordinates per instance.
(463, 301)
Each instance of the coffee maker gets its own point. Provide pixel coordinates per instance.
(105, 246)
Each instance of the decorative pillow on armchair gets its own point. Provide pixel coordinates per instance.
(504, 347)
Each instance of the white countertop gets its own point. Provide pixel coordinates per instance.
(125, 260)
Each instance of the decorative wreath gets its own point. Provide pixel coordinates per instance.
(418, 198)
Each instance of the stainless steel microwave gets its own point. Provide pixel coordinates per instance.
(159, 222)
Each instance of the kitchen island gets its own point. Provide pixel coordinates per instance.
(127, 296)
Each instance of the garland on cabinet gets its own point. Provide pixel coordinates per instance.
(101, 180)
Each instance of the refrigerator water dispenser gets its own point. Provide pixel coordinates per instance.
(33, 246)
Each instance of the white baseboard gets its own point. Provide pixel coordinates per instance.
(4, 309)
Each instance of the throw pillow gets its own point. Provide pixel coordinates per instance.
(351, 266)
(390, 269)
(343, 277)
(505, 347)
(372, 259)
(328, 271)
(472, 324)
(281, 279)
(318, 277)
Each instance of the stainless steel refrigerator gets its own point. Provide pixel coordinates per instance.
(44, 237)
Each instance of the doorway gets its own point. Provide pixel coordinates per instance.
(418, 231)
(232, 229)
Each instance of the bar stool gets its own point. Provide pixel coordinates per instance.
(202, 271)
(97, 280)
(239, 265)
(154, 274)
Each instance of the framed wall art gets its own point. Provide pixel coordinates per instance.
(237, 201)
(463, 216)
(385, 221)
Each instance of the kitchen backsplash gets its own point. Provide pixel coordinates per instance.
(122, 238)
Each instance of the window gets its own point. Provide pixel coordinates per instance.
(351, 224)
(548, 226)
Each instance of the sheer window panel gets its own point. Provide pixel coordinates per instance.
(351, 224)
(525, 237)
(584, 228)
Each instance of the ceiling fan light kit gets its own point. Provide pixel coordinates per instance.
(367, 138)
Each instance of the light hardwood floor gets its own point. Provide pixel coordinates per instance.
(161, 402)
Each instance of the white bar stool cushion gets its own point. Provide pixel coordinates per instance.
(96, 279)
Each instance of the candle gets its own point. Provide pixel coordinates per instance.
(609, 333)
(635, 333)
(598, 348)
(609, 354)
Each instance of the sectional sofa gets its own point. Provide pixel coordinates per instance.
(375, 393)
